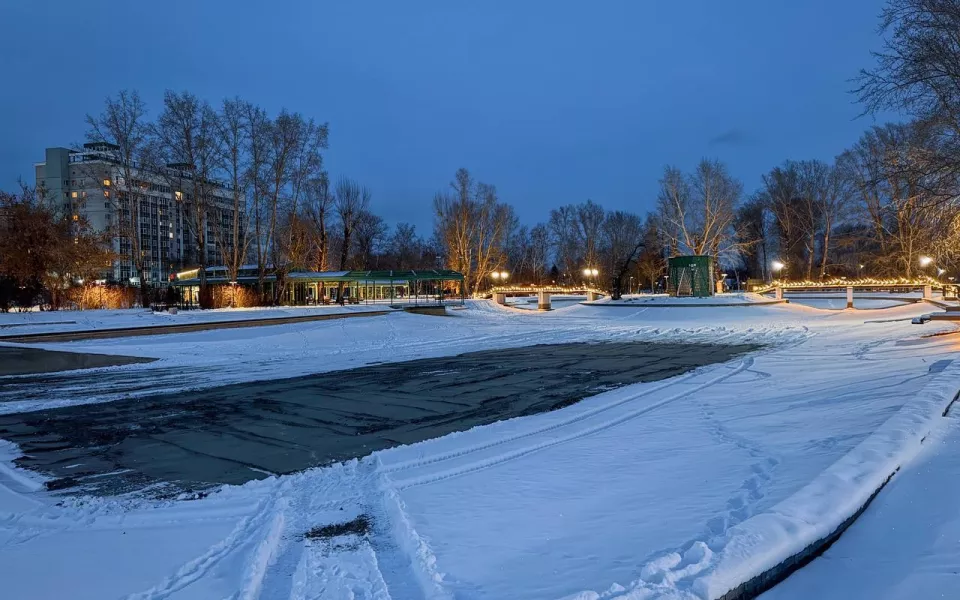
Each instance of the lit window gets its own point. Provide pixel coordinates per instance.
(76, 217)
(73, 194)
(106, 183)
(106, 193)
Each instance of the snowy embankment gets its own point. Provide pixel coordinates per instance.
(677, 488)
(905, 546)
(821, 508)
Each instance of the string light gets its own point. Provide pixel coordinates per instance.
(554, 289)
(863, 281)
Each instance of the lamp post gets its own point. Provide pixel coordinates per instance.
(499, 276)
(777, 267)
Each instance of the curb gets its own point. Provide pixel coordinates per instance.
(771, 577)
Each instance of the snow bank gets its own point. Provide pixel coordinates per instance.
(23, 479)
(771, 539)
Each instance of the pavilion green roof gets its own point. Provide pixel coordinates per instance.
(381, 276)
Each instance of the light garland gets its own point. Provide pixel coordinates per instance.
(553, 289)
(862, 282)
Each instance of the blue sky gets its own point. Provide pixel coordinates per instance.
(552, 101)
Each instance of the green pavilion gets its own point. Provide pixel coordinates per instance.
(304, 288)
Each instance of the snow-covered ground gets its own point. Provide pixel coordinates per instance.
(678, 488)
(22, 323)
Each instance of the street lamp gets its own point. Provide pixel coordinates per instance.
(925, 261)
(590, 272)
(777, 267)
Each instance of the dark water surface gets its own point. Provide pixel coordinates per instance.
(236, 433)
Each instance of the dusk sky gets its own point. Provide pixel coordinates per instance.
(553, 101)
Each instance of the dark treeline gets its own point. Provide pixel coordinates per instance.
(874, 210)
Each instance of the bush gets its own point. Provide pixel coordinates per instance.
(205, 298)
(93, 296)
(237, 296)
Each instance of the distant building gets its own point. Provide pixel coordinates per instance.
(90, 183)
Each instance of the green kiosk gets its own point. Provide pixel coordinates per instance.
(691, 276)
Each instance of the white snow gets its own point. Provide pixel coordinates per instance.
(22, 323)
(907, 544)
(678, 489)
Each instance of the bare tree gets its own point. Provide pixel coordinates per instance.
(651, 263)
(259, 128)
(753, 234)
(369, 235)
(233, 241)
(622, 239)
(474, 228)
(320, 206)
(563, 229)
(589, 227)
(539, 252)
(493, 223)
(918, 69)
(187, 132)
(406, 246)
(835, 203)
(351, 202)
(901, 197)
(782, 193)
(123, 124)
(812, 179)
(697, 210)
(294, 152)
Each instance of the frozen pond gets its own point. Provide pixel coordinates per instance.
(839, 301)
(556, 301)
(236, 433)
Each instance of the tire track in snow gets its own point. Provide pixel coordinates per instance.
(195, 569)
(444, 456)
(590, 430)
(453, 454)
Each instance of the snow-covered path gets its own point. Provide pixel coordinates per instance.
(634, 490)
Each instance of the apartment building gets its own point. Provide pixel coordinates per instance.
(90, 183)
